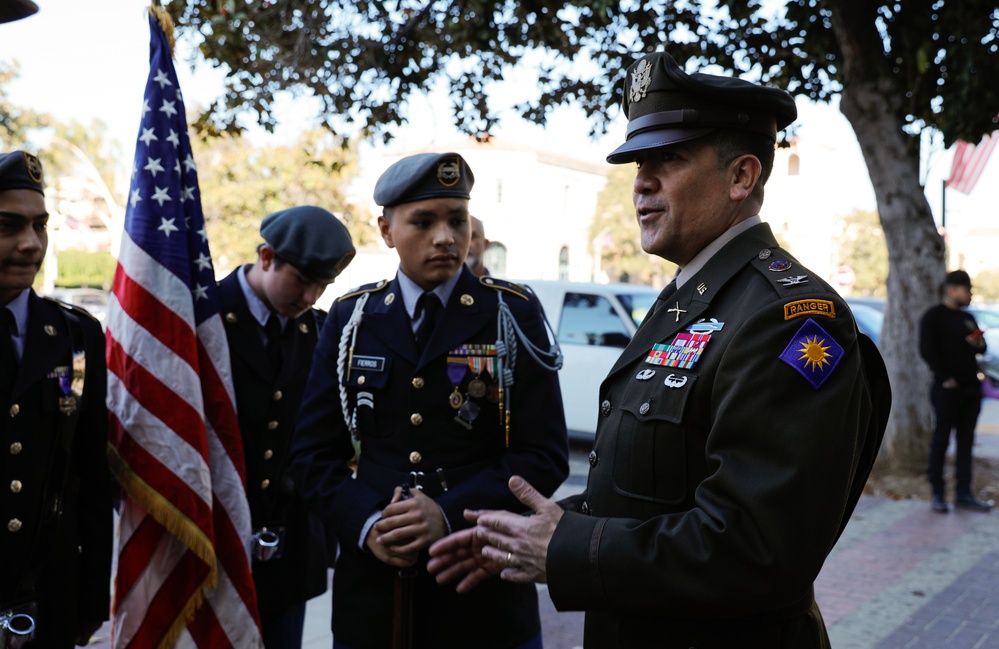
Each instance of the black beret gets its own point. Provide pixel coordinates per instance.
(11, 10)
(21, 170)
(310, 239)
(422, 176)
(957, 278)
(665, 105)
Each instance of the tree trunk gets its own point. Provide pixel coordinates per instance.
(871, 100)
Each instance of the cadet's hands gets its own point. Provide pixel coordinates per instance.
(515, 546)
(406, 527)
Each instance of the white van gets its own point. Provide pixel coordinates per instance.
(593, 323)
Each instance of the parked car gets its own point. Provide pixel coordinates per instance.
(593, 323)
(869, 313)
(93, 300)
(988, 321)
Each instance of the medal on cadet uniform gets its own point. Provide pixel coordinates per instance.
(477, 388)
(456, 399)
(456, 369)
(467, 414)
(71, 380)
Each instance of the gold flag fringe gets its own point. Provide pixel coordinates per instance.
(180, 526)
(166, 23)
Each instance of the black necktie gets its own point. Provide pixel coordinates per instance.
(273, 332)
(8, 358)
(429, 305)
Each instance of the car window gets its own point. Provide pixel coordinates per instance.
(985, 318)
(589, 319)
(637, 305)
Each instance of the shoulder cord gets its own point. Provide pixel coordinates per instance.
(344, 358)
(508, 333)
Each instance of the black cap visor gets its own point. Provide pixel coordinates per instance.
(640, 143)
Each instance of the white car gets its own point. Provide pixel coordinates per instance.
(593, 324)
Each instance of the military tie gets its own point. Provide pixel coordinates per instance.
(429, 305)
(274, 332)
(8, 357)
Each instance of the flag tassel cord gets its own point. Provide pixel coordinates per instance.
(166, 23)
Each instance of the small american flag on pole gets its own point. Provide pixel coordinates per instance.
(969, 162)
(183, 576)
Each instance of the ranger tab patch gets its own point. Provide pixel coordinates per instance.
(813, 353)
(809, 307)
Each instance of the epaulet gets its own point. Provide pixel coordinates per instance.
(367, 288)
(783, 272)
(72, 308)
(503, 285)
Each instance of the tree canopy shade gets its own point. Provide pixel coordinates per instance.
(363, 58)
(897, 67)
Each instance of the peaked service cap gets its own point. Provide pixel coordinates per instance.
(422, 176)
(665, 105)
(11, 10)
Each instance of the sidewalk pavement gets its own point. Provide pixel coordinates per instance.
(900, 577)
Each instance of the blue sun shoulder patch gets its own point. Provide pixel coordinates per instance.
(813, 353)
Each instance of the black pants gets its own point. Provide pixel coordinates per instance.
(956, 409)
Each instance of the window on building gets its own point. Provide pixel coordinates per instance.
(563, 263)
(495, 259)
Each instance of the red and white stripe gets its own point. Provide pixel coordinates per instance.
(969, 163)
(175, 432)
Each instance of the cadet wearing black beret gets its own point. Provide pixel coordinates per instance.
(415, 370)
(56, 502)
(736, 431)
(272, 331)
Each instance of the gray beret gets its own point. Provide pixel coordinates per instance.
(665, 105)
(422, 176)
(21, 170)
(11, 10)
(310, 239)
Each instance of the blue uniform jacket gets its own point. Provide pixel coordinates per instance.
(406, 422)
(267, 405)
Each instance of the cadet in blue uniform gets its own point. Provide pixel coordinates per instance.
(443, 381)
(55, 488)
(736, 431)
(272, 331)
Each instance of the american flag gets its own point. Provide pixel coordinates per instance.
(969, 162)
(183, 574)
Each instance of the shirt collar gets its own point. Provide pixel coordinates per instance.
(709, 251)
(411, 292)
(260, 311)
(19, 307)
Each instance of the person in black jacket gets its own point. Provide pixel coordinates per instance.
(272, 331)
(949, 340)
(738, 427)
(56, 497)
(437, 386)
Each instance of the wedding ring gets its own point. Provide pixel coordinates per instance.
(509, 558)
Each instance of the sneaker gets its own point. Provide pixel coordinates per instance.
(940, 505)
(970, 502)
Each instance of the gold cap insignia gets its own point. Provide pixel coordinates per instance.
(449, 172)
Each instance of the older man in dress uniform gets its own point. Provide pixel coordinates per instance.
(737, 429)
(55, 488)
(272, 331)
(445, 381)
